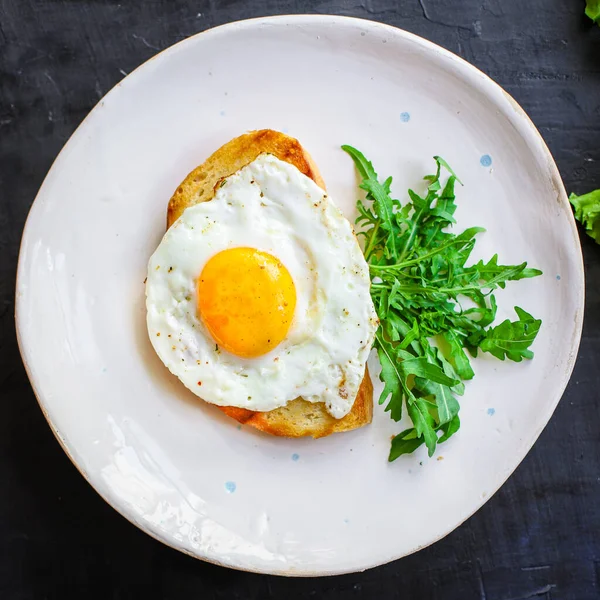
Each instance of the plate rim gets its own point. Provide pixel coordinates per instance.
(428, 46)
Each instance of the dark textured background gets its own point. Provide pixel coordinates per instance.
(539, 537)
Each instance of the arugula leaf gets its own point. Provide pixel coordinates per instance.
(380, 195)
(449, 429)
(422, 368)
(512, 339)
(405, 443)
(408, 441)
(587, 207)
(391, 376)
(420, 283)
(423, 422)
(458, 359)
(592, 10)
(446, 404)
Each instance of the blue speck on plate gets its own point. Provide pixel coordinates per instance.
(295, 457)
(230, 486)
(486, 160)
(405, 117)
(558, 278)
(491, 411)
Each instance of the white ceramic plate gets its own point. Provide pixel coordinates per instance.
(178, 468)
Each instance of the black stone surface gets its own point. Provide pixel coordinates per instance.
(539, 537)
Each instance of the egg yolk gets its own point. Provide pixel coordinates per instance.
(246, 299)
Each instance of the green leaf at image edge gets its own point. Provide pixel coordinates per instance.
(592, 10)
(587, 211)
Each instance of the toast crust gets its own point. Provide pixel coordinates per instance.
(299, 417)
(199, 185)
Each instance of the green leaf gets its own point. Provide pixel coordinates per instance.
(412, 335)
(449, 429)
(592, 10)
(423, 422)
(442, 163)
(496, 275)
(405, 443)
(458, 359)
(447, 405)
(391, 376)
(512, 339)
(383, 204)
(587, 207)
(393, 293)
(384, 208)
(363, 166)
(459, 388)
(445, 206)
(420, 367)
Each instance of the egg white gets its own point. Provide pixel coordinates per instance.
(271, 206)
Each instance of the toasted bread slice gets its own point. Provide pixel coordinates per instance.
(299, 417)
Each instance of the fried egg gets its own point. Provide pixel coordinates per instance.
(262, 294)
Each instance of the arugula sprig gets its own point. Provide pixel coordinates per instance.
(433, 308)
